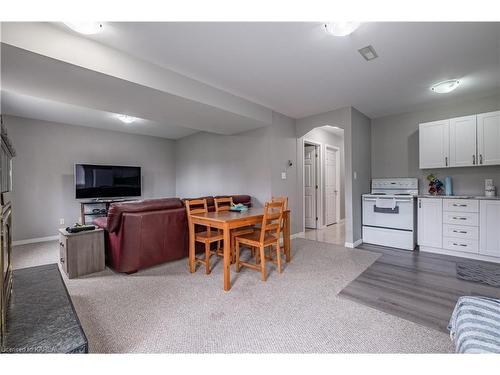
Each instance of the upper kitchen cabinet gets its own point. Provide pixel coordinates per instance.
(460, 142)
(488, 138)
(463, 141)
(434, 144)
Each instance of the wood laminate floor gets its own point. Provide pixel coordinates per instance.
(420, 287)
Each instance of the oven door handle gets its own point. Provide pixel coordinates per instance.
(398, 200)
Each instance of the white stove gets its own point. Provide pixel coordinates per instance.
(390, 214)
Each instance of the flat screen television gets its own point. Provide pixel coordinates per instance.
(107, 181)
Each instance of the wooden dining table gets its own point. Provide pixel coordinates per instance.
(227, 221)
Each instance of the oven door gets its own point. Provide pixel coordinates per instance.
(401, 217)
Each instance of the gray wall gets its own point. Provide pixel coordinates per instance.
(328, 138)
(247, 163)
(43, 169)
(395, 146)
(361, 166)
(357, 139)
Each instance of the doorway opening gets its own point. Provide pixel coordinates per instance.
(323, 182)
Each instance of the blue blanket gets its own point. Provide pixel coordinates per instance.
(475, 325)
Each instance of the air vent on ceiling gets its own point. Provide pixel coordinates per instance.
(368, 53)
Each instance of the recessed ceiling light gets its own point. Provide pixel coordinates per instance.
(86, 28)
(341, 28)
(126, 118)
(445, 86)
(368, 53)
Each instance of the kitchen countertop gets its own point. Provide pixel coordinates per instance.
(479, 197)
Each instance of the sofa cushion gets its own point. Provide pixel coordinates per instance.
(116, 210)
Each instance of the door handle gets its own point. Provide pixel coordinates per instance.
(480, 158)
(473, 159)
(446, 160)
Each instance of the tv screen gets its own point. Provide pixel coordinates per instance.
(107, 181)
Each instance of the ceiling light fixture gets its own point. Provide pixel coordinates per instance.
(368, 53)
(86, 28)
(341, 28)
(445, 86)
(125, 118)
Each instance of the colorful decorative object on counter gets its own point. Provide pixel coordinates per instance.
(435, 185)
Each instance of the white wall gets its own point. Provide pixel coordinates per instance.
(43, 187)
(395, 145)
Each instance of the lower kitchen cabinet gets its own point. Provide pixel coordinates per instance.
(430, 222)
(467, 228)
(489, 228)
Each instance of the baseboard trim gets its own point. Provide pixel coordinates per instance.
(436, 250)
(297, 235)
(34, 240)
(352, 245)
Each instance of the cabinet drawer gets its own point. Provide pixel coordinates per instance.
(461, 205)
(460, 231)
(461, 244)
(461, 218)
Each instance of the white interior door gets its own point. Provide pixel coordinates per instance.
(331, 186)
(310, 186)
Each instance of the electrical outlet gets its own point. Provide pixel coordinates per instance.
(283, 175)
(61, 221)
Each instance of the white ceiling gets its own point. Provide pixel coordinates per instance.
(297, 69)
(180, 78)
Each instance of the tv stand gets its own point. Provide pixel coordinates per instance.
(98, 207)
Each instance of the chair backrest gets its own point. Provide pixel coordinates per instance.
(271, 222)
(223, 204)
(281, 199)
(196, 206)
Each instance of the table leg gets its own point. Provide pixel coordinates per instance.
(286, 236)
(191, 248)
(227, 258)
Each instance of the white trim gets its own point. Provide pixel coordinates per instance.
(34, 240)
(352, 245)
(337, 180)
(436, 250)
(297, 235)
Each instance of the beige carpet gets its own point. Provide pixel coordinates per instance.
(167, 309)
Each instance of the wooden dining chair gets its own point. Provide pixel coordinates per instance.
(224, 204)
(267, 236)
(284, 201)
(208, 236)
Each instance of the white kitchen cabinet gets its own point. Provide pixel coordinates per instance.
(463, 142)
(430, 222)
(489, 228)
(434, 143)
(488, 142)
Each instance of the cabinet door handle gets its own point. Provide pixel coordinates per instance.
(474, 159)
(459, 205)
(459, 218)
(459, 231)
(459, 244)
(480, 158)
(446, 160)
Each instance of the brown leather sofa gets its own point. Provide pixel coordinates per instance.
(145, 233)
